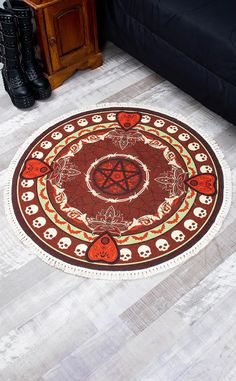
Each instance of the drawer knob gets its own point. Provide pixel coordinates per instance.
(52, 41)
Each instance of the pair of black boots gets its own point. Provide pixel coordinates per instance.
(22, 76)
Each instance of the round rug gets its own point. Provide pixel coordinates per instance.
(118, 192)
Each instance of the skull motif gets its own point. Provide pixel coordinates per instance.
(56, 135)
(80, 250)
(178, 236)
(37, 155)
(50, 233)
(27, 196)
(39, 222)
(162, 244)
(190, 225)
(144, 251)
(206, 169)
(69, 128)
(184, 137)
(64, 243)
(125, 255)
(82, 122)
(172, 129)
(207, 200)
(97, 118)
(31, 209)
(194, 146)
(27, 183)
(111, 116)
(46, 144)
(145, 119)
(159, 123)
(200, 212)
(201, 157)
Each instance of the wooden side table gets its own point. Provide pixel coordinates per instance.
(67, 36)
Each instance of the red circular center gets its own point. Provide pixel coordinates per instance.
(105, 240)
(117, 176)
(43, 169)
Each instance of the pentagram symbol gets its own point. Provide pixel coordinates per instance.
(117, 176)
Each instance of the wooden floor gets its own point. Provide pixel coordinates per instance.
(179, 325)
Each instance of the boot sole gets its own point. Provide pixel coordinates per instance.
(21, 103)
(41, 94)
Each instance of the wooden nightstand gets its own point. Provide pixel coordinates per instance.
(67, 36)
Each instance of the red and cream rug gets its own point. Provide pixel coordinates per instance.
(118, 192)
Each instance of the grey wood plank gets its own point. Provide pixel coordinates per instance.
(180, 342)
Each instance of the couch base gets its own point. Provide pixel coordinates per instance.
(136, 39)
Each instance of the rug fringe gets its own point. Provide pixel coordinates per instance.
(118, 275)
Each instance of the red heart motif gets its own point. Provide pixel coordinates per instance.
(35, 168)
(204, 183)
(128, 120)
(103, 249)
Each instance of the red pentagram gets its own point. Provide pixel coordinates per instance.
(117, 176)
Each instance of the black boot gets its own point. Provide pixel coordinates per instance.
(40, 85)
(14, 80)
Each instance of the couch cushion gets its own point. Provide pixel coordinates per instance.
(205, 30)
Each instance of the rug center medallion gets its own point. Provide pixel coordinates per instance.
(117, 178)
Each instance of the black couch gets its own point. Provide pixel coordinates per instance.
(192, 43)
